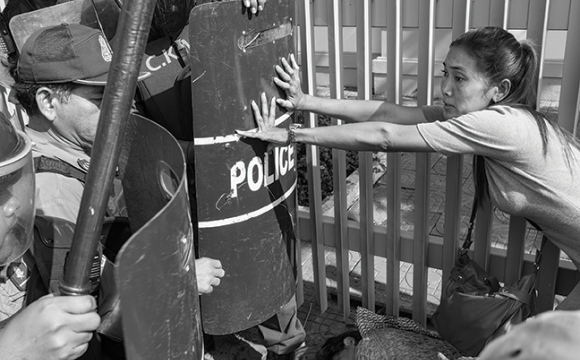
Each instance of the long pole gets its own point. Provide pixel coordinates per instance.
(130, 43)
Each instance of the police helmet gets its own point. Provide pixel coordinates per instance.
(16, 192)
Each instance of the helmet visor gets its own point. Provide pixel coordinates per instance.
(16, 203)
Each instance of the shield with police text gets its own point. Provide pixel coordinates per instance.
(155, 268)
(245, 197)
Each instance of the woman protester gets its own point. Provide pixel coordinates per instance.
(524, 163)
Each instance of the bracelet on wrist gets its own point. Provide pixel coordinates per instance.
(292, 134)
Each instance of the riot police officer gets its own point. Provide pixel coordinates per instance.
(52, 327)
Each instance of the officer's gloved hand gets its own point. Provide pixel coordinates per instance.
(254, 5)
(51, 328)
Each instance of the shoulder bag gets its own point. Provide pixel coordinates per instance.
(475, 308)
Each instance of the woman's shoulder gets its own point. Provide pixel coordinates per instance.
(508, 110)
(435, 113)
(504, 116)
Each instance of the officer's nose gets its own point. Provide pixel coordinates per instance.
(11, 206)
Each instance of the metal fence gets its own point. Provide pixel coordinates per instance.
(391, 18)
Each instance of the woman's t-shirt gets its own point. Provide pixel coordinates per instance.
(522, 180)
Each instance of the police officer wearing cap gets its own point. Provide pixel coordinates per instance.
(50, 327)
(60, 79)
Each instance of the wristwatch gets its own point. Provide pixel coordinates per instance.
(292, 134)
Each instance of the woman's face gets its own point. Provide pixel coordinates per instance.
(463, 87)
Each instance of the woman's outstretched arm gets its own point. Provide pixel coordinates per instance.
(367, 136)
(351, 111)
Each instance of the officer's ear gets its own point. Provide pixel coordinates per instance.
(45, 98)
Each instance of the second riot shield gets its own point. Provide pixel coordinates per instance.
(155, 268)
(245, 196)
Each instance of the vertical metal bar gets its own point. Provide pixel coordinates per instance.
(547, 275)
(575, 131)
(394, 80)
(364, 82)
(335, 50)
(537, 31)
(567, 118)
(567, 112)
(482, 244)
(454, 171)
(299, 270)
(423, 164)
(515, 253)
(298, 249)
(517, 226)
(312, 158)
(497, 13)
(506, 8)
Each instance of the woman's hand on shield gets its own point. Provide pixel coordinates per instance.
(289, 80)
(266, 120)
(254, 5)
(208, 272)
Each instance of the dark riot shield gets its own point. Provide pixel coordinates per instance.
(246, 207)
(71, 12)
(155, 268)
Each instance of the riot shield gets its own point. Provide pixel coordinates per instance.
(72, 12)
(245, 198)
(155, 268)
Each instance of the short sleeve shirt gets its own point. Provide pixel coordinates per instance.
(57, 196)
(522, 180)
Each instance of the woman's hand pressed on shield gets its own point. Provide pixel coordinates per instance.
(289, 80)
(266, 120)
(254, 5)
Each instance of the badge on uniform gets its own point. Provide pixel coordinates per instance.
(19, 274)
(84, 164)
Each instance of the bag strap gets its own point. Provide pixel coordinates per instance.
(467, 242)
(516, 294)
(539, 254)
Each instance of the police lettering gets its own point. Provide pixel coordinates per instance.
(258, 173)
